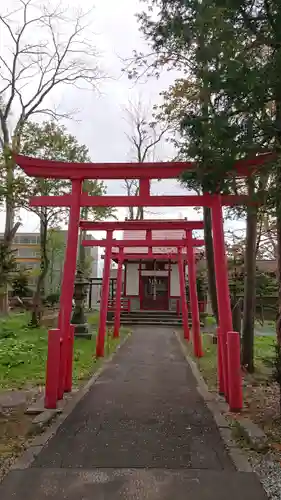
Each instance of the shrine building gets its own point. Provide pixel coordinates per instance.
(151, 277)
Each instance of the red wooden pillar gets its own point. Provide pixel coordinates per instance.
(144, 191)
(178, 307)
(67, 287)
(118, 294)
(197, 342)
(220, 363)
(235, 377)
(69, 365)
(183, 296)
(224, 307)
(104, 296)
(52, 369)
(149, 238)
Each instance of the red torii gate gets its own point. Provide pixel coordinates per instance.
(109, 243)
(105, 290)
(60, 340)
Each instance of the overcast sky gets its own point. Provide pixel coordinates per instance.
(101, 125)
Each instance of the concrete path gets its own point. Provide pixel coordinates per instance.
(142, 432)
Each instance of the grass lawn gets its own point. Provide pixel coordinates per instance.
(23, 352)
(264, 353)
(260, 392)
(210, 321)
(268, 328)
(22, 365)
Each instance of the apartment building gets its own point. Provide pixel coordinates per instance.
(26, 247)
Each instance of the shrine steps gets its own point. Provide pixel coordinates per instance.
(165, 318)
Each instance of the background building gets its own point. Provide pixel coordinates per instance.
(26, 247)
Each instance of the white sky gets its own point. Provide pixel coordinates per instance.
(101, 123)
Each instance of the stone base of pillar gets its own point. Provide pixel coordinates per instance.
(82, 330)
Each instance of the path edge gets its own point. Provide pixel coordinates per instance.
(33, 449)
(236, 454)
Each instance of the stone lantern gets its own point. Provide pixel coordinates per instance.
(78, 317)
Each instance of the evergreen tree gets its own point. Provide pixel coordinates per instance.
(227, 90)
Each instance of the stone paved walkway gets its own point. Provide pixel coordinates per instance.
(142, 432)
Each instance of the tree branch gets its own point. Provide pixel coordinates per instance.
(57, 58)
(250, 23)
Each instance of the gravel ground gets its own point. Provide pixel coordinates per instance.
(268, 468)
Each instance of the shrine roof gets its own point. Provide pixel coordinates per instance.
(171, 234)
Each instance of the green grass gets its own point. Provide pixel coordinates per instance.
(208, 363)
(23, 352)
(264, 354)
(210, 320)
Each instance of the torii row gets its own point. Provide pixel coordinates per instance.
(154, 267)
(60, 343)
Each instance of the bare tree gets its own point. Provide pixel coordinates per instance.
(144, 136)
(43, 48)
(267, 238)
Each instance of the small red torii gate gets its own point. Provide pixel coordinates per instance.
(109, 243)
(60, 346)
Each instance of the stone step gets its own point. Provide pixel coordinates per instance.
(152, 316)
(151, 321)
(165, 318)
(148, 321)
(151, 313)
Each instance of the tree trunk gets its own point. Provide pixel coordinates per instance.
(4, 302)
(278, 187)
(43, 252)
(82, 236)
(140, 210)
(9, 220)
(204, 103)
(210, 260)
(278, 227)
(10, 226)
(82, 252)
(9, 196)
(250, 283)
(236, 315)
(140, 215)
(51, 272)
(44, 265)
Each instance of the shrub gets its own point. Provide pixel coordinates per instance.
(52, 299)
(20, 286)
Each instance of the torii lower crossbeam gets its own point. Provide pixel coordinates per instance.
(149, 255)
(143, 243)
(142, 225)
(205, 200)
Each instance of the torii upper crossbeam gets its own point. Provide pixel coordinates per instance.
(36, 167)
